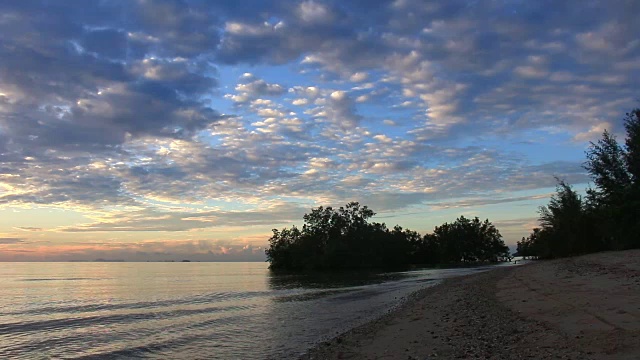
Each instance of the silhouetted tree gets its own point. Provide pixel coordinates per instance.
(467, 240)
(339, 239)
(428, 250)
(614, 203)
(562, 219)
(345, 239)
(632, 144)
(608, 217)
(532, 245)
(631, 208)
(607, 166)
(282, 247)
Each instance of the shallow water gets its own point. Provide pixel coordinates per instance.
(186, 310)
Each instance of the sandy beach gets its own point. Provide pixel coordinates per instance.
(585, 307)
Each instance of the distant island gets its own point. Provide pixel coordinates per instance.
(108, 260)
(97, 260)
(122, 260)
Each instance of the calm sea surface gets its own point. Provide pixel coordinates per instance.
(185, 310)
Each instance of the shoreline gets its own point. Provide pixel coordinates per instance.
(576, 308)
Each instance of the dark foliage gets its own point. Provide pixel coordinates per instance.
(466, 240)
(345, 239)
(530, 246)
(607, 219)
(632, 143)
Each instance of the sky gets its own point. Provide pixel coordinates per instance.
(167, 130)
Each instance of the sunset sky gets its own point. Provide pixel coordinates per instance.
(155, 130)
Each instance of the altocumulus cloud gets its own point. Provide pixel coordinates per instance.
(182, 115)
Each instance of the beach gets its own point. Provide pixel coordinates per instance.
(585, 307)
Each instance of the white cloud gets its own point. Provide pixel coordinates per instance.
(359, 77)
(531, 71)
(313, 12)
(238, 28)
(383, 138)
(338, 95)
(300, 102)
(362, 98)
(260, 87)
(593, 133)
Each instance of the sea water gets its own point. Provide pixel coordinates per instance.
(186, 310)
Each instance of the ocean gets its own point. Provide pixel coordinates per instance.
(189, 310)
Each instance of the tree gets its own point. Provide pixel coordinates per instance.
(631, 204)
(333, 239)
(608, 218)
(282, 246)
(568, 226)
(607, 166)
(468, 240)
(428, 250)
(615, 201)
(562, 219)
(532, 245)
(339, 239)
(632, 144)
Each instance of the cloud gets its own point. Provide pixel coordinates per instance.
(341, 110)
(5, 241)
(29, 228)
(157, 250)
(314, 13)
(260, 87)
(85, 86)
(594, 133)
(359, 77)
(482, 202)
(180, 115)
(73, 92)
(152, 220)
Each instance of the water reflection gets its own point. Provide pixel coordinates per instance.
(284, 281)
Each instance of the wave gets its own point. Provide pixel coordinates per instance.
(192, 300)
(88, 321)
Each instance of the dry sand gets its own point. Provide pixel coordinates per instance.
(586, 307)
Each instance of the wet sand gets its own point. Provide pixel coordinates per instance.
(586, 307)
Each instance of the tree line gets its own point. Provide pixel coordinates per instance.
(608, 217)
(344, 238)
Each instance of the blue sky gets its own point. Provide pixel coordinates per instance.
(152, 130)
